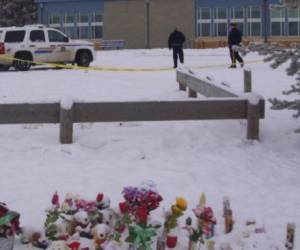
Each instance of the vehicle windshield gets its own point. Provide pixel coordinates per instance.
(16, 36)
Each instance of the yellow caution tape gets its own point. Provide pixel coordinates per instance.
(93, 68)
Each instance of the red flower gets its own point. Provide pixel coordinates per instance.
(142, 215)
(123, 207)
(55, 199)
(100, 197)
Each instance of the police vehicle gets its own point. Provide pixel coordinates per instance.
(37, 43)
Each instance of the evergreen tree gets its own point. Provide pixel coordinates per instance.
(279, 55)
(17, 12)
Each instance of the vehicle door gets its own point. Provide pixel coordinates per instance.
(60, 45)
(40, 49)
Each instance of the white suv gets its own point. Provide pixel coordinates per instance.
(37, 43)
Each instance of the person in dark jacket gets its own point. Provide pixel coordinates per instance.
(176, 41)
(234, 39)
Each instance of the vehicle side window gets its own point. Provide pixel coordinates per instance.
(37, 36)
(55, 36)
(14, 36)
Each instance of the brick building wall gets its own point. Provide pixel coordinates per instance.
(126, 19)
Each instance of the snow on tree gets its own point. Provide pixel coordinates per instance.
(17, 12)
(278, 55)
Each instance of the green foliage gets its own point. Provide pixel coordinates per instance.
(140, 237)
(171, 221)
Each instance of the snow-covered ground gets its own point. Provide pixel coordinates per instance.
(182, 158)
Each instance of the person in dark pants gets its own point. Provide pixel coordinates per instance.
(176, 41)
(234, 39)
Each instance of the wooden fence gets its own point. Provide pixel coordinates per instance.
(250, 106)
(232, 107)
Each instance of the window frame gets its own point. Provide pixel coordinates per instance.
(278, 20)
(14, 31)
(207, 21)
(251, 21)
(293, 20)
(37, 30)
(218, 21)
(56, 31)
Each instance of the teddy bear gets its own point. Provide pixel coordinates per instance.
(100, 234)
(108, 217)
(80, 223)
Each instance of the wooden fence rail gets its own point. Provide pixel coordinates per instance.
(229, 106)
(122, 111)
(253, 110)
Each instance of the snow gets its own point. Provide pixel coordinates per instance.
(261, 178)
(67, 103)
(254, 98)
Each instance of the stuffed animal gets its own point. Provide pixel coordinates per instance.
(108, 217)
(100, 235)
(80, 223)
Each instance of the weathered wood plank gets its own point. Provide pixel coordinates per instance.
(206, 88)
(161, 111)
(192, 93)
(253, 121)
(66, 125)
(247, 81)
(24, 113)
(202, 86)
(181, 79)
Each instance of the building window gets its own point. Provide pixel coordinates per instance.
(254, 21)
(55, 21)
(237, 16)
(83, 26)
(294, 22)
(277, 22)
(97, 25)
(204, 22)
(69, 25)
(220, 22)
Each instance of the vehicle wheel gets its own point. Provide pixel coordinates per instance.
(22, 65)
(4, 67)
(83, 59)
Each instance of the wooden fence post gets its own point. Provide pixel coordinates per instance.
(182, 86)
(192, 93)
(253, 114)
(66, 122)
(247, 80)
(290, 237)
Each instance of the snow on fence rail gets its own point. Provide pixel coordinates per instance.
(66, 113)
(252, 105)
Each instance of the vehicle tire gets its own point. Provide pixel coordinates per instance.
(22, 65)
(4, 67)
(83, 59)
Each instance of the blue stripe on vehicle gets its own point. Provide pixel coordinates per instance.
(43, 51)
